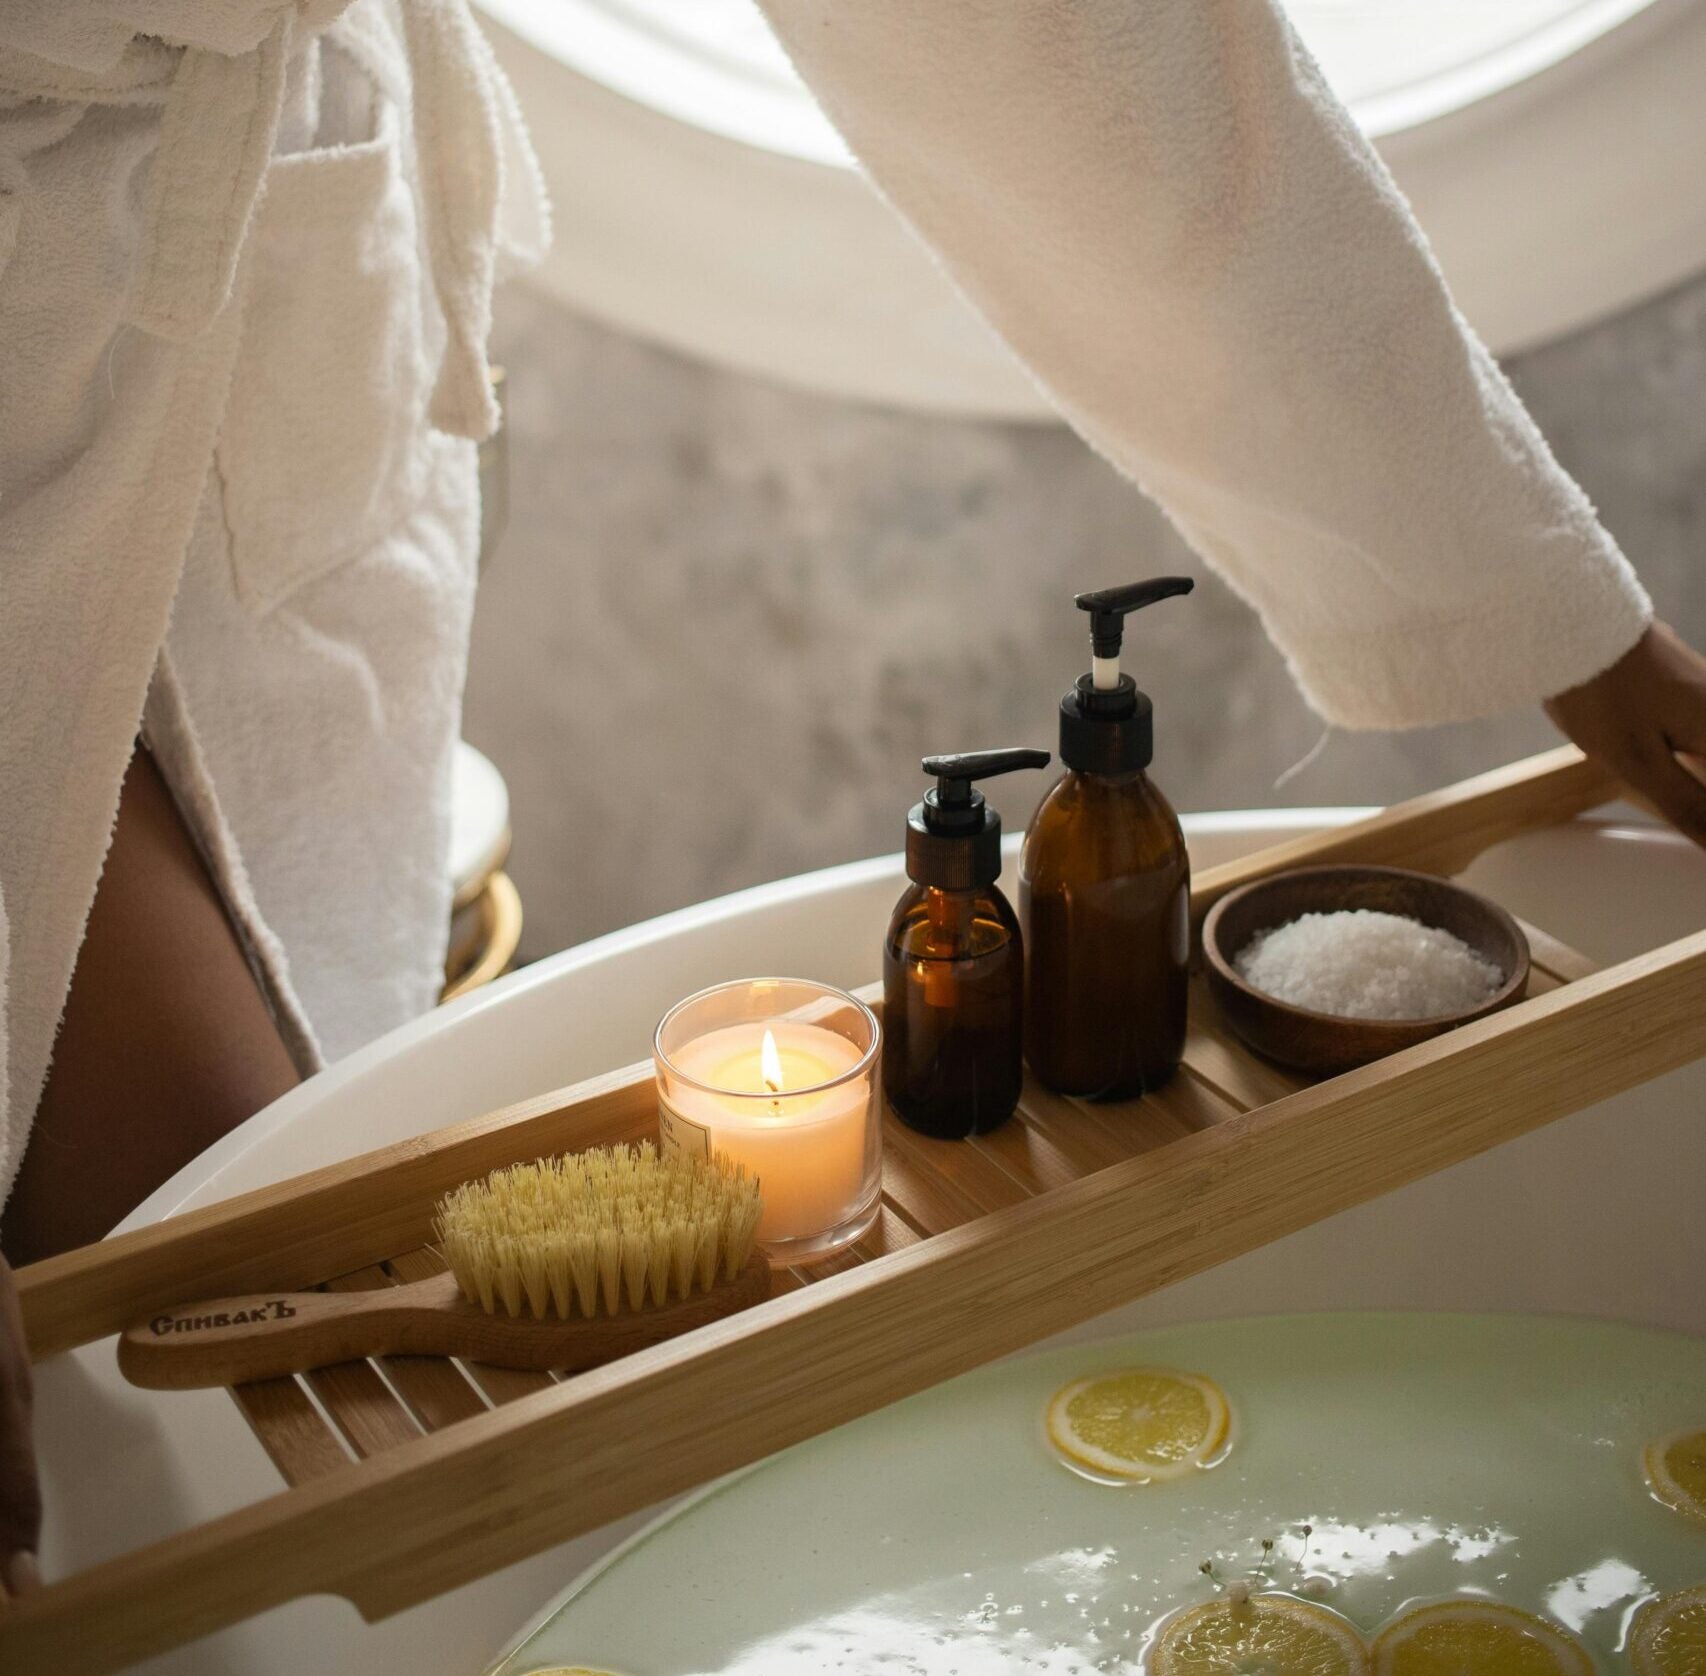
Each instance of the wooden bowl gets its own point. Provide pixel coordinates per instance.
(1323, 1044)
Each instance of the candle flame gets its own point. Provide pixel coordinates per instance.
(770, 1064)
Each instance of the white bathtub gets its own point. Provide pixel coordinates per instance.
(1595, 1215)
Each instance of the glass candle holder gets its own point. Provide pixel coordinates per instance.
(780, 1074)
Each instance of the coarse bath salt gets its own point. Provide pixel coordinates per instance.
(1359, 963)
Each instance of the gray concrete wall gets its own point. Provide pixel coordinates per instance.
(728, 618)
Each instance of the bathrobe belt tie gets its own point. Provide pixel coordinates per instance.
(218, 126)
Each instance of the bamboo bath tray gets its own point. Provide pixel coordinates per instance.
(435, 1473)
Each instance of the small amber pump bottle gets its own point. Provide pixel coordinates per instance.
(1104, 884)
(953, 963)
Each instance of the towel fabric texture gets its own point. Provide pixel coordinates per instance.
(246, 257)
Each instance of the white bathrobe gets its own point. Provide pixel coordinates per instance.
(236, 488)
(247, 250)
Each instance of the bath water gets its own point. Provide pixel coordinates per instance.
(1430, 1455)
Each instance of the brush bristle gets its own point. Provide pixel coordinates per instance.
(595, 1233)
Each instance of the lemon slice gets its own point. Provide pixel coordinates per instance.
(1477, 1636)
(1265, 1633)
(1669, 1635)
(1140, 1423)
(1676, 1470)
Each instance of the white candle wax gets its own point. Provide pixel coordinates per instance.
(807, 1149)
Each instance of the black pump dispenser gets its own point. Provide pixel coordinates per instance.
(954, 960)
(953, 838)
(1104, 885)
(1106, 725)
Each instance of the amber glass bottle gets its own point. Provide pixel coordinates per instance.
(1104, 886)
(953, 1015)
(953, 961)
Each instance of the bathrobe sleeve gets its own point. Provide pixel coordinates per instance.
(1164, 210)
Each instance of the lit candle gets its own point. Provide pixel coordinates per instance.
(792, 1100)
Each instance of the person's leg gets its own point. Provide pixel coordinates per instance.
(166, 1042)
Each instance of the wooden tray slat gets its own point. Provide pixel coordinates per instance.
(927, 1201)
(1220, 1060)
(1025, 1153)
(838, 1263)
(291, 1429)
(890, 1232)
(436, 1391)
(1180, 1108)
(1090, 1137)
(368, 1412)
(973, 1174)
(499, 1385)
(503, 1385)
(365, 1408)
(1560, 962)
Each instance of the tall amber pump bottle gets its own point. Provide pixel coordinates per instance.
(1104, 884)
(953, 962)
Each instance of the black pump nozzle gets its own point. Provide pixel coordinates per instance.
(953, 838)
(1109, 607)
(953, 806)
(1106, 724)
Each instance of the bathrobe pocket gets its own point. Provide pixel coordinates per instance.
(323, 449)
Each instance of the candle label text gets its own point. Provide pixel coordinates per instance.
(678, 1135)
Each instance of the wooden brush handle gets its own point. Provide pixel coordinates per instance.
(229, 1341)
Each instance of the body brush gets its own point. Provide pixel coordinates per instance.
(560, 1264)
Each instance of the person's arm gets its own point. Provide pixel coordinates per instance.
(1639, 716)
(1163, 209)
